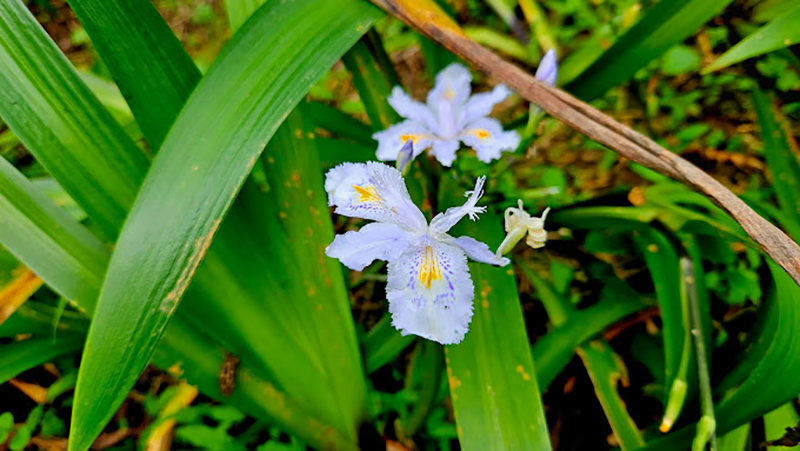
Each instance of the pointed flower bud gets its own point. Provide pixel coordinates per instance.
(548, 68)
(404, 158)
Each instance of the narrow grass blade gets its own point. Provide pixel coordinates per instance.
(491, 373)
(261, 74)
(15, 293)
(779, 33)
(735, 440)
(44, 102)
(606, 371)
(664, 25)
(145, 58)
(20, 356)
(783, 163)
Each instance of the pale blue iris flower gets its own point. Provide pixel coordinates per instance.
(429, 288)
(450, 116)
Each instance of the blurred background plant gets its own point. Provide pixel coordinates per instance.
(649, 321)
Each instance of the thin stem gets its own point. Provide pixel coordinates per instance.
(707, 425)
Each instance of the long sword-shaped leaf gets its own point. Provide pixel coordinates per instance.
(778, 33)
(20, 356)
(153, 71)
(664, 25)
(53, 243)
(491, 373)
(79, 255)
(44, 102)
(262, 73)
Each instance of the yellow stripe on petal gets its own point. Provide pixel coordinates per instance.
(429, 270)
(367, 194)
(413, 138)
(481, 133)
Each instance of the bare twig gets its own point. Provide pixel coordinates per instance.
(430, 20)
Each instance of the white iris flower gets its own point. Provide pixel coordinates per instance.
(450, 116)
(429, 288)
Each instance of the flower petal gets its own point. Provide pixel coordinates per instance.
(445, 151)
(375, 241)
(430, 291)
(479, 251)
(447, 98)
(373, 191)
(392, 140)
(481, 105)
(445, 221)
(487, 137)
(409, 108)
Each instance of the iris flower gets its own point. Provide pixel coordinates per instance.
(450, 116)
(429, 288)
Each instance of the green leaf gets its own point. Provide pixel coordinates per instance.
(491, 374)
(780, 32)
(260, 75)
(190, 354)
(735, 440)
(667, 23)
(783, 163)
(45, 103)
(383, 343)
(606, 370)
(680, 59)
(145, 58)
(20, 356)
(372, 83)
(554, 351)
(339, 123)
(50, 242)
(776, 422)
(240, 10)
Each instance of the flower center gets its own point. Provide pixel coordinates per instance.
(429, 270)
(367, 194)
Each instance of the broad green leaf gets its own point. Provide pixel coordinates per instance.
(776, 422)
(606, 370)
(780, 32)
(188, 353)
(145, 58)
(783, 163)
(667, 23)
(335, 151)
(20, 356)
(260, 75)
(491, 373)
(51, 243)
(37, 319)
(735, 440)
(44, 102)
(383, 343)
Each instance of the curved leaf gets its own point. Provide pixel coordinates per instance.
(45, 103)
(664, 25)
(491, 373)
(780, 32)
(151, 68)
(23, 355)
(260, 75)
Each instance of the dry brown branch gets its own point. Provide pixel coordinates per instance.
(426, 17)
